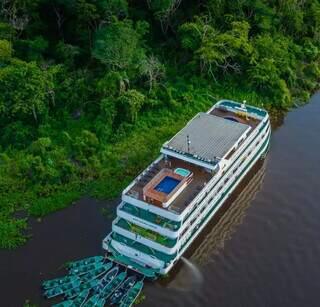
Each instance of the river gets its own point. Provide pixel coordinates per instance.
(263, 250)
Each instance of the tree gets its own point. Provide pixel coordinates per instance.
(85, 145)
(17, 134)
(25, 90)
(5, 51)
(41, 146)
(130, 103)
(118, 8)
(214, 50)
(105, 120)
(113, 83)
(265, 77)
(72, 90)
(67, 53)
(18, 12)
(119, 45)
(7, 32)
(31, 49)
(153, 70)
(164, 10)
(87, 13)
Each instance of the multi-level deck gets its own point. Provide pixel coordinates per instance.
(169, 203)
(199, 179)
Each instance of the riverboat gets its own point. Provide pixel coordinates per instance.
(166, 207)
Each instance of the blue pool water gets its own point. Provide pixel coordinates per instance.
(182, 172)
(167, 184)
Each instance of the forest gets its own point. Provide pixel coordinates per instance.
(90, 89)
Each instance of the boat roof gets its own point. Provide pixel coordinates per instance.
(210, 137)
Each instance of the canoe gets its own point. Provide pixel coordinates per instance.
(61, 289)
(80, 299)
(113, 285)
(58, 281)
(132, 295)
(86, 261)
(67, 303)
(96, 301)
(77, 302)
(95, 273)
(85, 268)
(122, 290)
(106, 279)
(71, 293)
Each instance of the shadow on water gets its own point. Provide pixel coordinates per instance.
(231, 215)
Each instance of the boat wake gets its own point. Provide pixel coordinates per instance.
(188, 278)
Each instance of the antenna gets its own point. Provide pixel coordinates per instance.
(188, 143)
(243, 105)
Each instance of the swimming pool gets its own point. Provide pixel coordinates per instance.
(182, 172)
(167, 184)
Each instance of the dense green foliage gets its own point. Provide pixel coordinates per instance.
(90, 89)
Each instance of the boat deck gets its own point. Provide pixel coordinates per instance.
(199, 179)
(252, 122)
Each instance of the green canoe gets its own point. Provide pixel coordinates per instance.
(61, 289)
(95, 273)
(122, 290)
(95, 300)
(132, 295)
(68, 303)
(86, 261)
(113, 285)
(106, 279)
(85, 268)
(80, 299)
(58, 281)
(71, 293)
(77, 302)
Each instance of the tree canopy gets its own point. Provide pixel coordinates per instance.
(90, 89)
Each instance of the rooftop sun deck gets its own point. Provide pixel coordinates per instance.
(173, 182)
(199, 178)
(206, 139)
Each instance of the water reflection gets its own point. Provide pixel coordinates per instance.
(222, 227)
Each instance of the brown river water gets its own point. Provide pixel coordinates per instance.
(263, 248)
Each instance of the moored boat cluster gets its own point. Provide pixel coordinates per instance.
(94, 282)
